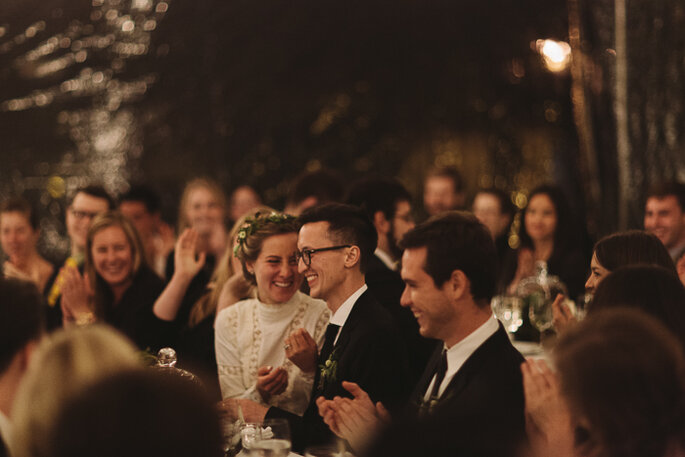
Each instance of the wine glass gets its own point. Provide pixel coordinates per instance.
(507, 309)
(250, 433)
(274, 440)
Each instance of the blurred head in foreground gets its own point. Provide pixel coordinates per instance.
(146, 414)
(622, 374)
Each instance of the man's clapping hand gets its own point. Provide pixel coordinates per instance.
(356, 420)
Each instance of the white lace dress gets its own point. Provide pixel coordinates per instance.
(250, 334)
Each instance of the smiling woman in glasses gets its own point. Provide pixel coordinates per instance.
(250, 335)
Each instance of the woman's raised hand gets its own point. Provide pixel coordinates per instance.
(562, 318)
(187, 262)
(271, 381)
(76, 294)
(302, 350)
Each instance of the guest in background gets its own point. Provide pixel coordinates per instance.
(19, 235)
(117, 287)
(388, 206)
(64, 364)
(194, 342)
(443, 190)
(312, 188)
(202, 208)
(494, 209)
(21, 327)
(250, 335)
(139, 414)
(548, 234)
(243, 200)
(626, 248)
(632, 247)
(141, 204)
(665, 215)
(86, 203)
(619, 390)
(651, 288)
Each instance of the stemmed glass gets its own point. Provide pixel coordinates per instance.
(273, 441)
(508, 309)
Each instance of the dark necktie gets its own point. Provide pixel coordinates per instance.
(329, 339)
(439, 374)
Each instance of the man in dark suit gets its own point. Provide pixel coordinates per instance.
(388, 205)
(471, 394)
(21, 326)
(362, 342)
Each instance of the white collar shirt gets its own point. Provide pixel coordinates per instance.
(341, 314)
(5, 429)
(458, 354)
(386, 259)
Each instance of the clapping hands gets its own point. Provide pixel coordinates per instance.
(548, 421)
(356, 419)
(187, 263)
(76, 294)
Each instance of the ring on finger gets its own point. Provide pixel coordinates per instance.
(287, 346)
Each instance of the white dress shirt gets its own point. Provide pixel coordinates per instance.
(458, 354)
(5, 429)
(386, 259)
(341, 314)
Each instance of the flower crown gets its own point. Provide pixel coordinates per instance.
(253, 224)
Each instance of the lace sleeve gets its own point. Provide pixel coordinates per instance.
(228, 354)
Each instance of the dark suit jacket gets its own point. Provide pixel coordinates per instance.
(387, 286)
(3, 448)
(479, 414)
(370, 352)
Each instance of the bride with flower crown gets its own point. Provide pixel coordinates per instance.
(253, 337)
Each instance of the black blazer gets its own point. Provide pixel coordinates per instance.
(387, 286)
(481, 411)
(3, 448)
(370, 352)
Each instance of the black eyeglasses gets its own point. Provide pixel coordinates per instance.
(306, 254)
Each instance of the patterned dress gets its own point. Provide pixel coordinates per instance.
(250, 334)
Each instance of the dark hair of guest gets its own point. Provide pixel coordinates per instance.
(653, 289)
(326, 185)
(21, 317)
(96, 191)
(457, 241)
(377, 194)
(450, 173)
(668, 189)
(347, 225)
(22, 206)
(142, 194)
(622, 374)
(564, 233)
(139, 414)
(632, 247)
(505, 205)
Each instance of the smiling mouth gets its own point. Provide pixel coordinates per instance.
(310, 278)
(283, 285)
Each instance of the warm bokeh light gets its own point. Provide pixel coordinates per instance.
(556, 54)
